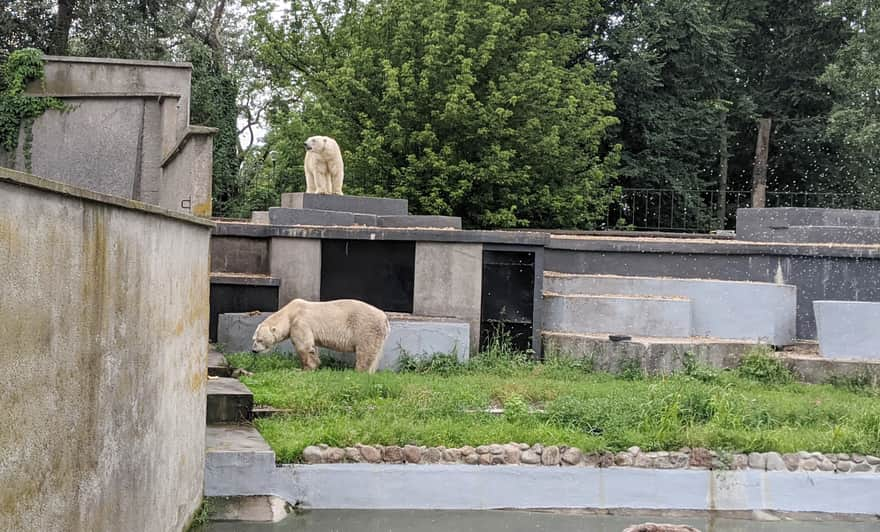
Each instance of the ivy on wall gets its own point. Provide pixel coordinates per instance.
(18, 111)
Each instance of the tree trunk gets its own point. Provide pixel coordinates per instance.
(61, 31)
(723, 156)
(759, 173)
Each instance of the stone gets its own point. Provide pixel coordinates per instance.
(634, 450)
(572, 456)
(643, 460)
(739, 461)
(472, 459)
(393, 454)
(323, 446)
(538, 448)
(432, 455)
(844, 465)
(701, 458)
(530, 457)
(606, 460)
(524, 446)
(466, 450)
(792, 460)
(857, 458)
(757, 461)
(623, 459)
(412, 454)
(512, 454)
(452, 456)
(483, 449)
(592, 459)
(352, 454)
(485, 459)
(774, 462)
(810, 464)
(550, 456)
(843, 456)
(496, 449)
(826, 465)
(312, 455)
(861, 468)
(803, 455)
(873, 460)
(334, 455)
(370, 454)
(662, 462)
(678, 460)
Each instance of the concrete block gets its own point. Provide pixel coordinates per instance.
(286, 216)
(796, 224)
(848, 329)
(736, 310)
(229, 401)
(633, 315)
(415, 336)
(353, 204)
(237, 460)
(420, 221)
(260, 217)
(297, 262)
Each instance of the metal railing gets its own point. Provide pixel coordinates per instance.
(650, 209)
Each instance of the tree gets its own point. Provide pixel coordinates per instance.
(475, 109)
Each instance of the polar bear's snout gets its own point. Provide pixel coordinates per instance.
(307, 145)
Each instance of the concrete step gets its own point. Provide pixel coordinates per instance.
(437, 222)
(217, 365)
(347, 204)
(229, 401)
(848, 329)
(618, 314)
(291, 216)
(807, 234)
(737, 310)
(818, 225)
(235, 454)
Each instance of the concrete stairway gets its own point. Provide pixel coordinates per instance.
(670, 307)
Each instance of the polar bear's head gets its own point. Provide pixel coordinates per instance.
(318, 143)
(265, 337)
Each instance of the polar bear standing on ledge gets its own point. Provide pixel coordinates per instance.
(344, 325)
(323, 166)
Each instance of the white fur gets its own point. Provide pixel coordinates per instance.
(323, 166)
(344, 325)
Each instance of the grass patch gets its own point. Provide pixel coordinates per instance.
(756, 407)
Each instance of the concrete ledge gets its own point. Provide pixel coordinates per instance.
(229, 401)
(634, 315)
(453, 222)
(244, 279)
(367, 486)
(848, 329)
(260, 217)
(351, 204)
(416, 336)
(737, 310)
(798, 224)
(287, 216)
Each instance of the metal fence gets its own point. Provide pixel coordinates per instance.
(650, 209)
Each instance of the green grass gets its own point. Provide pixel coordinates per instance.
(756, 407)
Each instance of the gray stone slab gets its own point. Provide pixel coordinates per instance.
(217, 365)
(453, 222)
(802, 225)
(237, 454)
(244, 279)
(354, 204)
(632, 315)
(848, 329)
(737, 310)
(415, 336)
(260, 217)
(287, 216)
(229, 401)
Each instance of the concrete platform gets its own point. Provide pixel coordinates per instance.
(800, 225)
(236, 453)
(848, 329)
(618, 314)
(416, 336)
(344, 203)
(439, 222)
(287, 216)
(229, 401)
(259, 217)
(736, 310)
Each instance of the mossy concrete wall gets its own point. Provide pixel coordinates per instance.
(104, 327)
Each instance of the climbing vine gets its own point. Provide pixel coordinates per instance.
(16, 109)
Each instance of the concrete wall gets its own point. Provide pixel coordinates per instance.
(819, 271)
(104, 321)
(448, 283)
(757, 312)
(125, 131)
(630, 315)
(297, 263)
(848, 329)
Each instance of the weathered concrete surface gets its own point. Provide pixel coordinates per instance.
(798, 224)
(848, 329)
(452, 222)
(231, 254)
(185, 183)
(820, 271)
(286, 216)
(236, 454)
(611, 314)
(331, 202)
(418, 337)
(388, 486)
(104, 316)
(755, 312)
(448, 283)
(297, 262)
(229, 401)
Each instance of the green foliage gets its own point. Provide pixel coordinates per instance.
(16, 109)
(479, 110)
(202, 517)
(759, 365)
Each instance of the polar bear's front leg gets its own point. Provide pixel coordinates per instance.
(310, 178)
(304, 342)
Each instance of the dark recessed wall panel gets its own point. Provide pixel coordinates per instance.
(239, 298)
(382, 273)
(508, 297)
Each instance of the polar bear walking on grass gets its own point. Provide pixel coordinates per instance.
(344, 325)
(323, 166)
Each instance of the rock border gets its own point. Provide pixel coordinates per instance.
(563, 456)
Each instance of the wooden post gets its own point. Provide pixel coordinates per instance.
(722, 173)
(759, 171)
